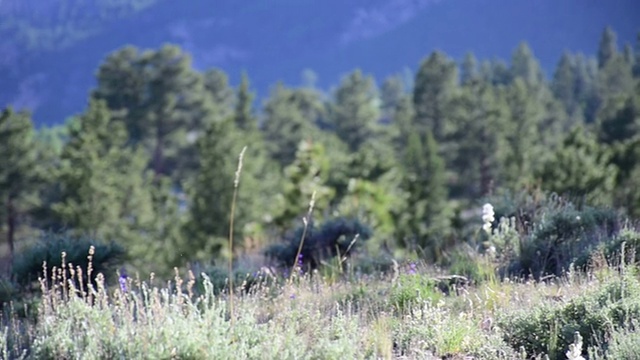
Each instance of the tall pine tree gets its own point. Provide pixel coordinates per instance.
(355, 112)
(103, 183)
(424, 224)
(18, 171)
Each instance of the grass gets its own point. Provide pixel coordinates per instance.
(401, 315)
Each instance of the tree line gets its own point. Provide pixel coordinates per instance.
(150, 162)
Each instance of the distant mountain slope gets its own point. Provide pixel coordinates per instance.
(277, 39)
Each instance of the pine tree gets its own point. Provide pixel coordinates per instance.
(243, 116)
(307, 174)
(469, 69)
(580, 168)
(393, 89)
(481, 116)
(18, 171)
(426, 219)
(523, 134)
(608, 47)
(564, 83)
(210, 191)
(160, 98)
(355, 112)
(216, 83)
(102, 181)
(435, 83)
(524, 65)
(290, 117)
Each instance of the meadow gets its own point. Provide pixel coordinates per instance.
(350, 308)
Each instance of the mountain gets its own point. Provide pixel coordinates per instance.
(51, 50)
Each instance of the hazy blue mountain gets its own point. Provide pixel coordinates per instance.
(50, 49)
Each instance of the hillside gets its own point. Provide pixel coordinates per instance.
(49, 60)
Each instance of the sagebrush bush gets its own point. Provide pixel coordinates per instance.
(28, 264)
(624, 343)
(550, 327)
(336, 237)
(562, 237)
(542, 234)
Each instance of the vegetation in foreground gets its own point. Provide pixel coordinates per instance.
(345, 309)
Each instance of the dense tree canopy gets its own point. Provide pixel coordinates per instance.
(151, 162)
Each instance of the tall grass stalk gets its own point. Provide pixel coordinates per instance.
(236, 183)
(306, 220)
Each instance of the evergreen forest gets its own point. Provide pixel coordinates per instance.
(479, 169)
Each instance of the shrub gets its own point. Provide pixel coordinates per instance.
(547, 233)
(550, 328)
(624, 343)
(327, 241)
(28, 264)
(562, 237)
(218, 277)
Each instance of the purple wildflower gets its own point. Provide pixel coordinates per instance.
(123, 281)
(412, 268)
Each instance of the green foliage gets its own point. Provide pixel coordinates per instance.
(102, 181)
(305, 176)
(607, 48)
(524, 139)
(19, 172)
(355, 112)
(49, 248)
(160, 99)
(581, 167)
(563, 237)
(624, 343)
(540, 234)
(434, 85)
(481, 119)
(425, 222)
(290, 117)
(335, 238)
(549, 329)
(243, 115)
(525, 66)
(413, 289)
(211, 192)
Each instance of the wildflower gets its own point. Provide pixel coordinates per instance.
(300, 264)
(123, 281)
(487, 217)
(412, 268)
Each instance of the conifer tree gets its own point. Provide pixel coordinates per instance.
(291, 116)
(607, 48)
(216, 83)
(434, 86)
(425, 221)
(160, 98)
(19, 174)
(469, 69)
(103, 183)
(525, 66)
(580, 168)
(210, 191)
(243, 116)
(481, 116)
(393, 89)
(523, 134)
(355, 112)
